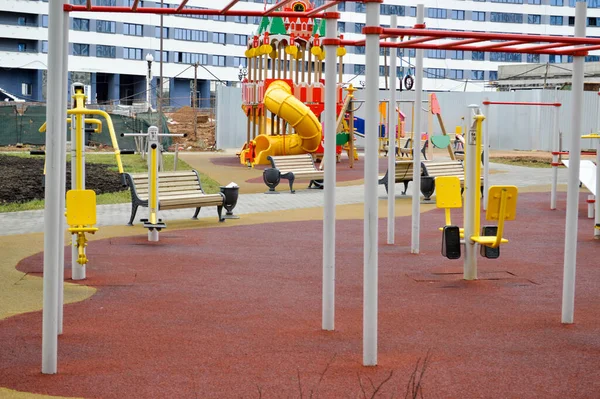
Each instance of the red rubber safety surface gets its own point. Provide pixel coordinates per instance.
(236, 312)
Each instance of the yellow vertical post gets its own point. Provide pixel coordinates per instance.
(152, 197)
(477, 193)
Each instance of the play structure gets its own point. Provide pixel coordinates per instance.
(283, 104)
(285, 89)
(486, 141)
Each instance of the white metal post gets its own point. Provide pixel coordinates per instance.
(416, 204)
(63, 177)
(486, 155)
(370, 273)
(52, 213)
(555, 148)
(570, 260)
(153, 146)
(392, 140)
(471, 191)
(328, 311)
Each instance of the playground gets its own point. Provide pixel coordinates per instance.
(467, 282)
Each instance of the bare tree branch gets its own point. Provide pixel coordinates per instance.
(299, 384)
(382, 384)
(361, 386)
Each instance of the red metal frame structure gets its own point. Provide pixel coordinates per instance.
(520, 103)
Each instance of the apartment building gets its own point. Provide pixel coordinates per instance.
(109, 52)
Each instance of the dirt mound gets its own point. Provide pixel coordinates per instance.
(22, 179)
(202, 136)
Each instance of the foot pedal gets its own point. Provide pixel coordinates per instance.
(451, 242)
(158, 226)
(489, 252)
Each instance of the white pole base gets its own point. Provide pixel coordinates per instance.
(590, 201)
(153, 235)
(77, 270)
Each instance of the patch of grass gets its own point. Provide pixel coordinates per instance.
(131, 164)
(524, 161)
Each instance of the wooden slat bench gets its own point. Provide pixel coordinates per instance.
(176, 190)
(403, 148)
(448, 168)
(404, 174)
(294, 167)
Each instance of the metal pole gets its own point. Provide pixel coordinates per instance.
(416, 205)
(486, 154)
(570, 260)
(471, 196)
(160, 83)
(370, 257)
(555, 148)
(328, 314)
(392, 140)
(63, 176)
(78, 271)
(597, 197)
(52, 211)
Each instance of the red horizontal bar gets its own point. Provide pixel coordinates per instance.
(276, 6)
(520, 103)
(491, 36)
(556, 164)
(183, 3)
(188, 11)
(524, 50)
(560, 152)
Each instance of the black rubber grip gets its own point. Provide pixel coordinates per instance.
(122, 134)
(37, 152)
(127, 152)
(153, 146)
(185, 135)
(90, 130)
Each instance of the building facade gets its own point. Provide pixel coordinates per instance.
(109, 53)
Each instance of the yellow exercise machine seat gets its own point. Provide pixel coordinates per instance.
(502, 206)
(81, 216)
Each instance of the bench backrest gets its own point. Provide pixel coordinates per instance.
(451, 168)
(404, 168)
(404, 142)
(291, 163)
(185, 181)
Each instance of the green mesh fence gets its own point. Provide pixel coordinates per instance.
(20, 123)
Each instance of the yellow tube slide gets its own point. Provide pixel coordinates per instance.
(280, 101)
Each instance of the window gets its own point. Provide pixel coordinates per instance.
(341, 6)
(81, 49)
(219, 60)
(157, 32)
(383, 70)
(478, 16)
(190, 58)
(44, 21)
(559, 3)
(22, 21)
(435, 73)
(477, 75)
(534, 19)
(360, 7)
(359, 69)
(81, 24)
(493, 75)
(438, 13)
(165, 55)
(105, 51)
(538, 2)
(505, 57)
(190, 35)
(21, 47)
(359, 49)
(240, 19)
(506, 17)
(556, 20)
(130, 3)
(218, 37)
(341, 25)
(458, 14)
(44, 46)
(26, 89)
(413, 11)
(477, 55)
(384, 51)
(456, 74)
(196, 16)
(106, 26)
(533, 58)
(358, 27)
(237, 61)
(441, 54)
(132, 53)
(457, 54)
(106, 2)
(386, 9)
(240, 40)
(132, 29)
(219, 17)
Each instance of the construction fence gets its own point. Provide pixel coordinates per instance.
(20, 123)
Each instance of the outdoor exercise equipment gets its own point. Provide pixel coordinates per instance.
(81, 217)
(153, 223)
(486, 141)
